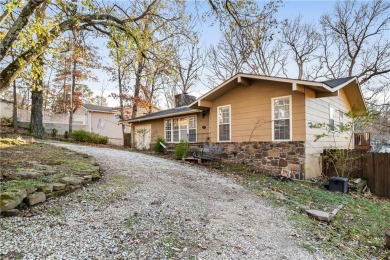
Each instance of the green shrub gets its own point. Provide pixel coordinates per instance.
(54, 132)
(80, 135)
(66, 134)
(181, 150)
(6, 121)
(84, 136)
(157, 148)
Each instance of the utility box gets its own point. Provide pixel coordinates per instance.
(338, 184)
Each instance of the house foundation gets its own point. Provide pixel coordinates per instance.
(268, 156)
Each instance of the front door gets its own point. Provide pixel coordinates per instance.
(143, 137)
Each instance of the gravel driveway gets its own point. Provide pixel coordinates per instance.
(151, 208)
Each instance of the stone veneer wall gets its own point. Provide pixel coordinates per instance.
(268, 156)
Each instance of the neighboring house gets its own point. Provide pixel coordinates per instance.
(104, 121)
(262, 121)
(6, 108)
(100, 120)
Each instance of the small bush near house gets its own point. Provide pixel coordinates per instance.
(157, 148)
(66, 134)
(6, 121)
(84, 136)
(181, 150)
(29, 129)
(54, 133)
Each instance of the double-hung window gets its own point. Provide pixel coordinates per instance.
(175, 130)
(341, 119)
(184, 129)
(224, 118)
(180, 129)
(192, 129)
(332, 115)
(168, 130)
(281, 118)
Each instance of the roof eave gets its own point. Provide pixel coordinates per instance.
(135, 120)
(361, 94)
(325, 87)
(99, 111)
(345, 84)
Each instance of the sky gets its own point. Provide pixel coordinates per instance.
(309, 10)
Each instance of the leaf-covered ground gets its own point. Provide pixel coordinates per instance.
(18, 155)
(356, 232)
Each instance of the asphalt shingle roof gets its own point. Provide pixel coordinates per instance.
(334, 83)
(98, 108)
(162, 113)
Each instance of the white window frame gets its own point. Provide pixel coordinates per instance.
(230, 123)
(165, 130)
(341, 118)
(188, 128)
(273, 118)
(196, 128)
(334, 117)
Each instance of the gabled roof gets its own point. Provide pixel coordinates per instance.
(164, 113)
(91, 107)
(335, 83)
(325, 88)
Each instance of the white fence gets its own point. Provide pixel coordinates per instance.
(50, 120)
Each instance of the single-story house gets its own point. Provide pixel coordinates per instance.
(6, 108)
(104, 120)
(101, 120)
(261, 120)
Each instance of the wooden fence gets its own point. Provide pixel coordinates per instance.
(373, 167)
(127, 140)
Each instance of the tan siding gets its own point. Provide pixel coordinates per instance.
(202, 134)
(157, 126)
(251, 111)
(317, 111)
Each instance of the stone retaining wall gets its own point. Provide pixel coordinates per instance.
(268, 156)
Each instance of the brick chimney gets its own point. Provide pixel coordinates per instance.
(183, 99)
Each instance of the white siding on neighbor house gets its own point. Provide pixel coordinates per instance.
(317, 111)
(107, 125)
(5, 109)
(79, 116)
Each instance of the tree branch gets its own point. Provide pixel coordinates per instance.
(17, 27)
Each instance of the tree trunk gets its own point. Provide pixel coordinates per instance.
(120, 96)
(15, 105)
(15, 110)
(36, 114)
(72, 96)
(137, 88)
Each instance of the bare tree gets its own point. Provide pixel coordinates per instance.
(246, 44)
(303, 40)
(228, 57)
(267, 56)
(100, 99)
(189, 62)
(356, 32)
